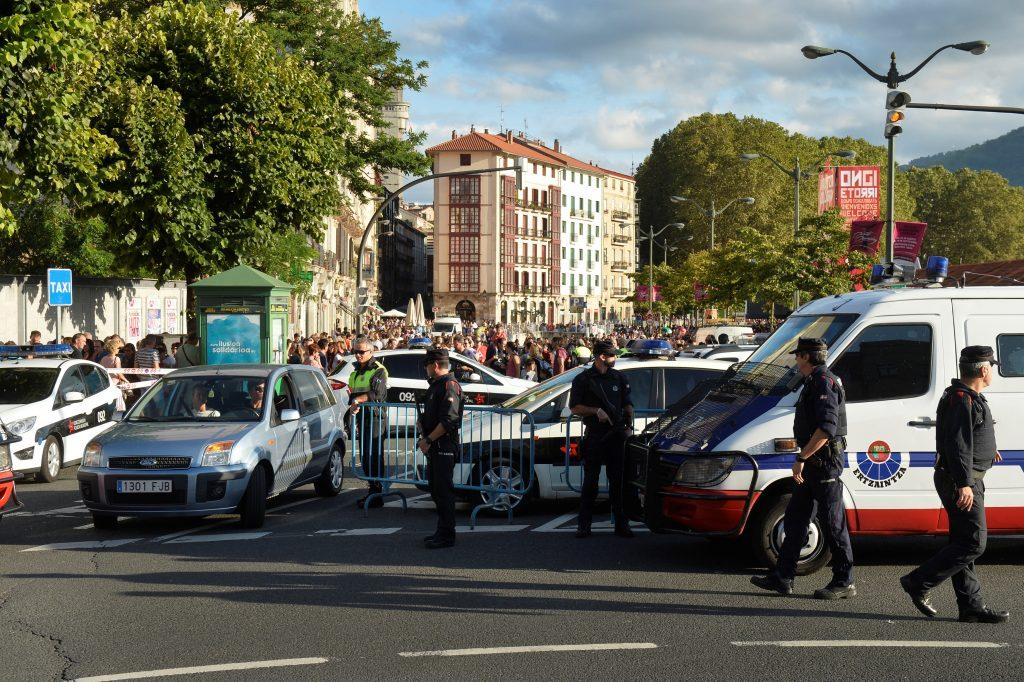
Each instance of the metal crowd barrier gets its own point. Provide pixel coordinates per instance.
(495, 462)
(574, 463)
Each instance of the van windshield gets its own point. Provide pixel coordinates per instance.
(778, 349)
(543, 390)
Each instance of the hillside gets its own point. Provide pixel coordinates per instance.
(1004, 155)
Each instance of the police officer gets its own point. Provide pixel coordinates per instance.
(439, 424)
(819, 428)
(965, 441)
(369, 384)
(600, 396)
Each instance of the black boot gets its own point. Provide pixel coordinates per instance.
(919, 597)
(773, 583)
(983, 615)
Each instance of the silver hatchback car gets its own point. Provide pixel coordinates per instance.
(217, 439)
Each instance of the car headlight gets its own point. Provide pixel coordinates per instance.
(92, 455)
(218, 454)
(5, 457)
(704, 472)
(21, 426)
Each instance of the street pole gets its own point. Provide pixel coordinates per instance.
(650, 271)
(890, 193)
(796, 226)
(713, 215)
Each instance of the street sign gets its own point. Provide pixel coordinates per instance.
(58, 286)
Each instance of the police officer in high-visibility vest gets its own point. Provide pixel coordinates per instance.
(965, 440)
(369, 384)
(820, 430)
(439, 425)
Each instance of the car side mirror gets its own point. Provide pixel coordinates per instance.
(566, 412)
(74, 397)
(290, 416)
(474, 378)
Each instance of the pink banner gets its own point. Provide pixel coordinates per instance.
(907, 240)
(699, 292)
(865, 235)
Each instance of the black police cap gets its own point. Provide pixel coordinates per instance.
(974, 354)
(604, 348)
(810, 345)
(435, 355)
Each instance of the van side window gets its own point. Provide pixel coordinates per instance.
(1010, 354)
(886, 362)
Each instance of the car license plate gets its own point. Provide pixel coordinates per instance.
(135, 486)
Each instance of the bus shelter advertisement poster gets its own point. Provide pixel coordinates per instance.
(232, 339)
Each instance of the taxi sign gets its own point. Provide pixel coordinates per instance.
(58, 286)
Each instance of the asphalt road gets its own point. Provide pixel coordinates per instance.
(347, 596)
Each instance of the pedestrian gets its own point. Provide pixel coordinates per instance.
(35, 338)
(965, 441)
(820, 430)
(148, 357)
(600, 396)
(112, 361)
(369, 384)
(439, 425)
(78, 346)
(187, 354)
(497, 356)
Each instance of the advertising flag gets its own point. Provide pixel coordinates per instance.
(907, 240)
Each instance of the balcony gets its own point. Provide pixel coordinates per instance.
(620, 239)
(620, 265)
(536, 290)
(533, 206)
(534, 260)
(621, 216)
(622, 292)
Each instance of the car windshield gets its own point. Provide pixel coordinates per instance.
(19, 385)
(202, 399)
(543, 390)
(778, 348)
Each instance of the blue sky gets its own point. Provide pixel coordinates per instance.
(606, 77)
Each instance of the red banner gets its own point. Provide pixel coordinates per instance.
(865, 235)
(907, 240)
(826, 188)
(642, 295)
(699, 292)
(854, 189)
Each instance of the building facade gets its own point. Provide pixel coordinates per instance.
(618, 243)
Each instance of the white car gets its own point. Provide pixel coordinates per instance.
(57, 406)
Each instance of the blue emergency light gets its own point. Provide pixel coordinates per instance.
(937, 268)
(420, 342)
(877, 273)
(38, 350)
(652, 348)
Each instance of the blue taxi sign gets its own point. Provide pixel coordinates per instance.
(58, 286)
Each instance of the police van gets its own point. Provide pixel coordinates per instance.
(723, 467)
(54, 404)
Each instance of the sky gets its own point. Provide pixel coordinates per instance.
(607, 77)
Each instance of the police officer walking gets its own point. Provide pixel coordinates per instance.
(965, 440)
(439, 424)
(819, 428)
(369, 384)
(600, 396)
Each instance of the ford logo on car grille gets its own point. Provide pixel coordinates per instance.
(148, 462)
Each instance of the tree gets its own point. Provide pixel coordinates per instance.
(819, 260)
(752, 266)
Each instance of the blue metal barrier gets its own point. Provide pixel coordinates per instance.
(496, 459)
(640, 418)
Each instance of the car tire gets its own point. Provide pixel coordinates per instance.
(104, 521)
(332, 480)
(765, 538)
(253, 507)
(53, 458)
(496, 472)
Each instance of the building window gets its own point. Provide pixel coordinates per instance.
(464, 278)
(597, 206)
(465, 249)
(465, 219)
(464, 190)
(563, 253)
(465, 159)
(563, 224)
(563, 278)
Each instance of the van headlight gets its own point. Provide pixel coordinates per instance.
(92, 457)
(21, 426)
(218, 454)
(704, 472)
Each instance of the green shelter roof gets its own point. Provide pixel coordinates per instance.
(241, 276)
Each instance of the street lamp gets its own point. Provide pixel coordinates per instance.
(892, 80)
(665, 245)
(712, 212)
(651, 234)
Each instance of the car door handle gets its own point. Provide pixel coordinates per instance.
(927, 423)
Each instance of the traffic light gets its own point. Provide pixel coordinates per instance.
(895, 102)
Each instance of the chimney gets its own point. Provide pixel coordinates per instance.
(453, 135)
(472, 128)
(486, 131)
(508, 136)
(557, 147)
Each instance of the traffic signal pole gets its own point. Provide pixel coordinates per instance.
(890, 195)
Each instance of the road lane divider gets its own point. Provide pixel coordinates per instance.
(543, 648)
(84, 544)
(219, 537)
(874, 643)
(193, 670)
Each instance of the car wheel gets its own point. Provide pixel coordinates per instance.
(332, 479)
(49, 469)
(253, 507)
(493, 476)
(104, 521)
(766, 534)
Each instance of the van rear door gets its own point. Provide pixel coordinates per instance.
(999, 323)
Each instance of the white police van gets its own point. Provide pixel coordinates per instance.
(723, 467)
(56, 405)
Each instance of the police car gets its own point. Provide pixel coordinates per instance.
(657, 379)
(54, 404)
(407, 380)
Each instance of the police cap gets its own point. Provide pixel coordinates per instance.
(435, 355)
(604, 348)
(975, 354)
(810, 345)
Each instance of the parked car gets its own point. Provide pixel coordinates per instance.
(730, 352)
(217, 439)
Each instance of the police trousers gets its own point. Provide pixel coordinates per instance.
(968, 533)
(440, 469)
(608, 451)
(825, 498)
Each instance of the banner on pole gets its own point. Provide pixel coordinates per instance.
(855, 190)
(907, 240)
(865, 236)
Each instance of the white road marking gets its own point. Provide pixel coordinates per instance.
(77, 509)
(369, 531)
(222, 522)
(490, 529)
(87, 544)
(219, 537)
(418, 502)
(166, 672)
(85, 527)
(531, 649)
(553, 525)
(876, 643)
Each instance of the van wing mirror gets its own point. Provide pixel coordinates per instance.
(73, 396)
(290, 415)
(566, 412)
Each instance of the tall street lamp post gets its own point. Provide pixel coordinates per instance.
(651, 234)
(666, 248)
(796, 175)
(391, 197)
(892, 80)
(712, 212)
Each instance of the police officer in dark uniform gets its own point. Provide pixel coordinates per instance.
(369, 384)
(600, 396)
(439, 424)
(965, 440)
(820, 430)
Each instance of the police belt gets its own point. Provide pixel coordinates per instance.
(979, 475)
